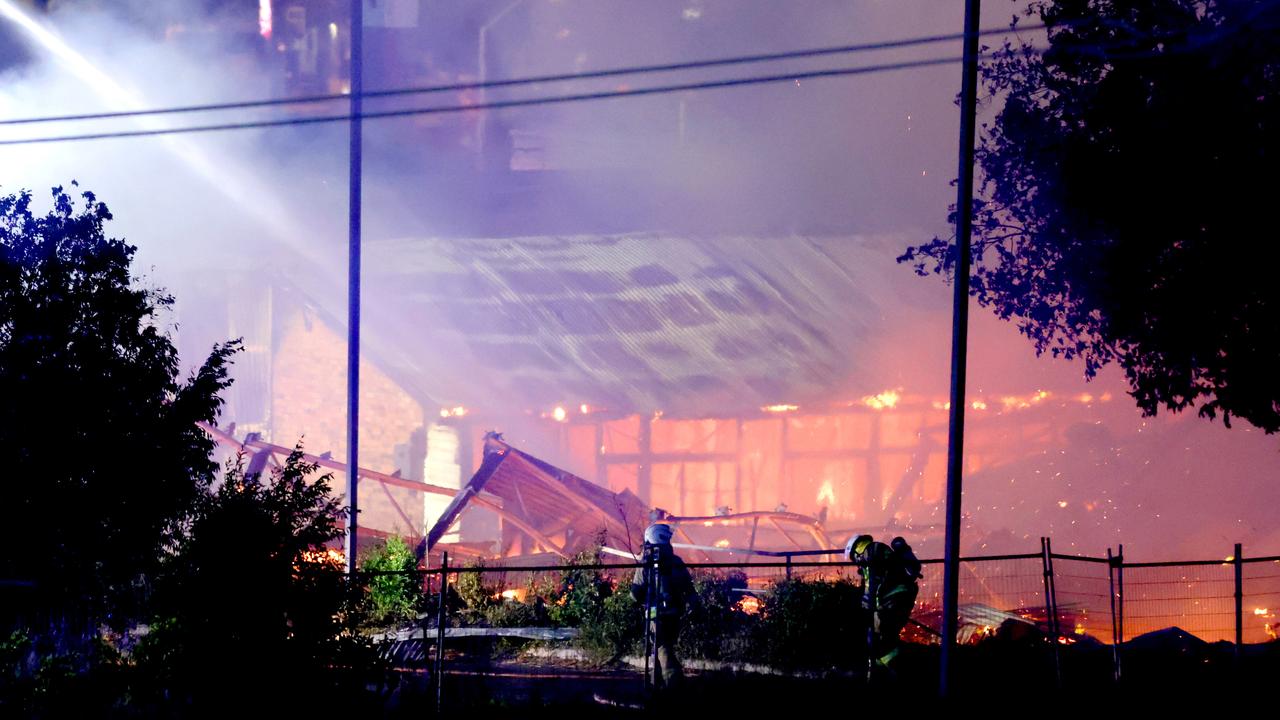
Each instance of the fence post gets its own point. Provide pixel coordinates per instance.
(441, 620)
(1239, 563)
(1053, 587)
(1120, 588)
(1115, 621)
(1051, 609)
(788, 566)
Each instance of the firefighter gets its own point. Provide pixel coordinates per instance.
(890, 576)
(664, 586)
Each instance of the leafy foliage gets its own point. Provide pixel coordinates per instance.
(813, 623)
(581, 593)
(395, 587)
(1126, 194)
(474, 591)
(800, 624)
(715, 628)
(99, 435)
(254, 598)
(38, 678)
(616, 630)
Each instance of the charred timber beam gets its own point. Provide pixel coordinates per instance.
(763, 514)
(230, 440)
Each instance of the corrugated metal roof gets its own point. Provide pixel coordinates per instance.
(630, 322)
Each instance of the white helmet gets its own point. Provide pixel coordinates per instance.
(658, 534)
(856, 546)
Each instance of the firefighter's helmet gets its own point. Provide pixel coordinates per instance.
(658, 534)
(857, 545)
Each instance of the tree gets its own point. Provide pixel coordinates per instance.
(103, 459)
(1125, 211)
(251, 596)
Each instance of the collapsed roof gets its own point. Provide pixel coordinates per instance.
(634, 323)
(548, 511)
(563, 514)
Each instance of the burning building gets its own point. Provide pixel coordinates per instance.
(691, 376)
(690, 298)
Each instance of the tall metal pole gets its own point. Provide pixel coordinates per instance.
(353, 283)
(959, 345)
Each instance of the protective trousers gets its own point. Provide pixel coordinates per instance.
(890, 617)
(666, 671)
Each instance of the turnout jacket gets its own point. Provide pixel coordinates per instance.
(887, 576)
(672, 585)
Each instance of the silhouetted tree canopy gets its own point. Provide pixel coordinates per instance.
(1127, 191)
(98, 434)
(251, 598)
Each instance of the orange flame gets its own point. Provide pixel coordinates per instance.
(827, 493)
(881, 401)
(780, 408)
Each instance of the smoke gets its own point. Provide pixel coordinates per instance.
(867, 156)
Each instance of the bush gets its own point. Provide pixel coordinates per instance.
(253, 599)
(39, 680)
(616, 630)
(475, 595)
(715, 628)
(812, 624)
(394, 596)
(514, 613)
(581, 595)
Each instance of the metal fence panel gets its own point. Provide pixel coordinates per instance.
(1199, 599)
(1261, 600)
(1083, 599)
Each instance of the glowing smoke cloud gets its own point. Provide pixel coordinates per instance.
(241, 189)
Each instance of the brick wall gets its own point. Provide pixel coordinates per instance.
(309, 401)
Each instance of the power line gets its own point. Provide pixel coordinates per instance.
(515, 82)
(602, 95)
(545, 100)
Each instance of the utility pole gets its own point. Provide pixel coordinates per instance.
(959, 346)
(353, 284)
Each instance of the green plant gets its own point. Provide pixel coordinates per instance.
(714, 627)
(581, 593)
(811, 624)
(394, 588)
(514, 613)
(40, 680)
(475, 594)
(614, 631)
